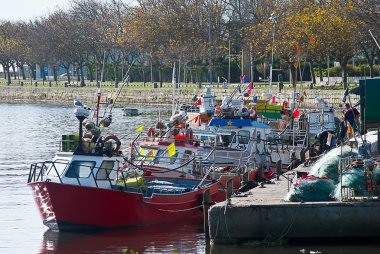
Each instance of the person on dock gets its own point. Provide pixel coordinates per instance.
(352, 116)
(326, 140)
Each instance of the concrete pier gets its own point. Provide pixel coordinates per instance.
(261, 213)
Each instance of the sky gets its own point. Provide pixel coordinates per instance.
(26, 10)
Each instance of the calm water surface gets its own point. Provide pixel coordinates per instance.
(30, 133)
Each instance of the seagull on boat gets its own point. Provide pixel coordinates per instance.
(77, 103)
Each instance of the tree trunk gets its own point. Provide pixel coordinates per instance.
(371, 69)
(115, 74)
(32, 72)
(313, 79)
(320, 71)
(343, 65)
(68, 74)
(160, 75)
(90, 72)
(143, 75)
(81, 76)
(21, 67)
(8, 75)
(77, 68)
(14, 71)
(55, 74)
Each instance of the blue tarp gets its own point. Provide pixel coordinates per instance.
(232, 122)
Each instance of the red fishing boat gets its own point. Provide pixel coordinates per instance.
(84, 186)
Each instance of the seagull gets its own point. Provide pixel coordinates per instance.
(77, 103)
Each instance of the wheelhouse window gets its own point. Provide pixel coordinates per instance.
(105, 170)
(80, 169)
(174, 157)
(57, 167)
(243, 137)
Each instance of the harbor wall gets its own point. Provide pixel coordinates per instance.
(234, 224)
(65, 95)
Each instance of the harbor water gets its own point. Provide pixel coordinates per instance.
(30, 133)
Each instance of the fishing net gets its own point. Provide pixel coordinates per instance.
(328, 165)
(311, 189)
(376, 174)
(353, 178)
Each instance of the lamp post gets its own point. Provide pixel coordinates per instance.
(274, 18)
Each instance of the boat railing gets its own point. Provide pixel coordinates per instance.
(45, 171)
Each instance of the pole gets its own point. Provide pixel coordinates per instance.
(373, 37)
(242, 60)
(229, 61)
(328, 70)
(209, 40)
(271, 65)
(174, 86)
(251, 63)
(151, 72)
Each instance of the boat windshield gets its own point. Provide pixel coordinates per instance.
(57, 167)
(81, 169)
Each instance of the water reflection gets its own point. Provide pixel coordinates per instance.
(164, 238)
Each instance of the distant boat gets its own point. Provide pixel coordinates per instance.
(130, 111)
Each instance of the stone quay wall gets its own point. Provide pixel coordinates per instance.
(155, 96)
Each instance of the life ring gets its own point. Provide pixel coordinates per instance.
(151, 132)
(217, 110)
(116, 139)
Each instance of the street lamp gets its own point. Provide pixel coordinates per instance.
(274, 18)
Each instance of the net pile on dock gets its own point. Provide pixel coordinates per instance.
(353, 178)
(311, 189)
(328, 165)
(376, 174)
(323, 180)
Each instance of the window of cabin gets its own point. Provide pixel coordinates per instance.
(80, 169)
(57, 168)
(105, 170)
(243, 137)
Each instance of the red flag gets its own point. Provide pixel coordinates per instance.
(296, 113)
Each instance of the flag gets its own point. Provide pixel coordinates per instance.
(254, 99)
(140, 128)
(273, 100)
(296, 113)
(245, 79)
(141, 152)
(312, 39)
(239, 89)
(250, 86)
(298, 48)
(150, 155)
(171, 149)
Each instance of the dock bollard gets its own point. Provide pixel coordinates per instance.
(278, 169)
(229, 189)
(206, 205)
